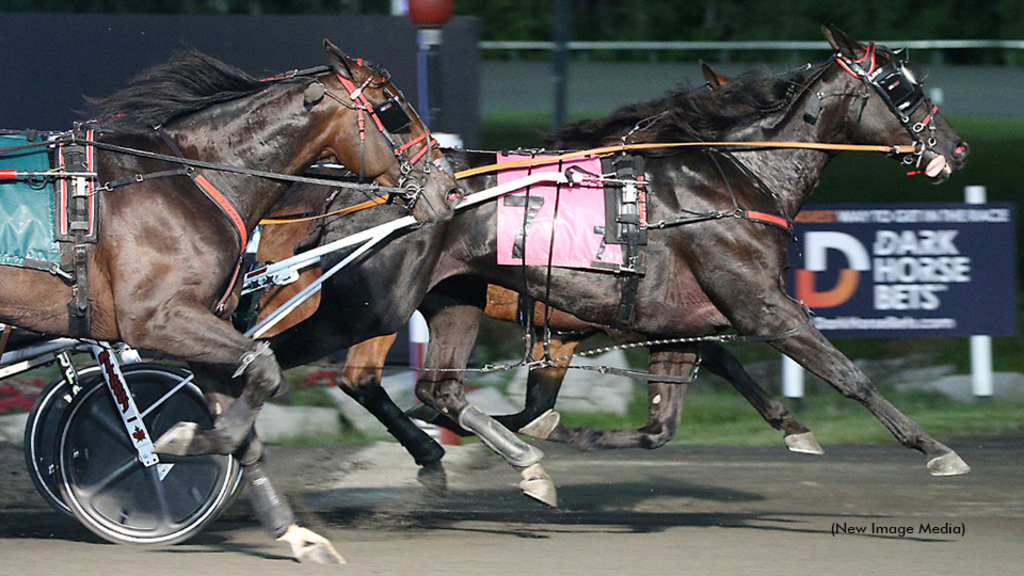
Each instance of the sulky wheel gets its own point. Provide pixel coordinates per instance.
(109, 490)
(41, 432)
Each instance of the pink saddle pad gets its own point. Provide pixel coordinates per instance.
(573, 213)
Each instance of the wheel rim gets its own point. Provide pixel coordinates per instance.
(117, 497)
(41, 433)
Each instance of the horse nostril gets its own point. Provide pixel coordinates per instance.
(961, 150)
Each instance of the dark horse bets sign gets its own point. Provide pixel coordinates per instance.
(907, 269)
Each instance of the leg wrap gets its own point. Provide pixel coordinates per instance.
(272, 510)
(420, 445)
(499, 438)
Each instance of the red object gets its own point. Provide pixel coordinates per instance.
(449, 438)
(430, 12)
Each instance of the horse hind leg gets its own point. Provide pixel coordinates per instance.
(361, 380)
(664, 410)
(440, 386)
(719, 361)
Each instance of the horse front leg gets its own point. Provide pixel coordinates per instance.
(454, 329)
(271, 508)
(538, 418)
(361, 380)
(197, 336)
(815, 353)
(719, 361)
(750, 297)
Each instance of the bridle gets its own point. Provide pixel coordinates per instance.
(899, 86)
(390, 117)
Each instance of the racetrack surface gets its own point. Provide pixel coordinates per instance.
(675, 510)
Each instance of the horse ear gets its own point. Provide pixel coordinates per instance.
(844, 44)
(715, 80)
(340, 60)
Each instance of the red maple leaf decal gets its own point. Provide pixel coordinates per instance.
(139, 434)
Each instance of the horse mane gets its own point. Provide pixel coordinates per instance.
(188, 82)
(686, 115)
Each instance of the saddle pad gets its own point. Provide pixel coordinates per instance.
(578, 226)
(26, 208)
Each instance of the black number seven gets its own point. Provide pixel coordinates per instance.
(533, 204)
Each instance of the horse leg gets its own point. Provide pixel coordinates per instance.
(719, 361)
(815, 353)
(443, 390)
(271, 508)
(664, 409)
(361, 379)
(212, 341)
(538, 418)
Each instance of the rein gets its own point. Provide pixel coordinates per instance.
(606, 150)
(889, 150)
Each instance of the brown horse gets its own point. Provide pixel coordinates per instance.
(167, 254)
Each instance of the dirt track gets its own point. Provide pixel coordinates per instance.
(677, 510)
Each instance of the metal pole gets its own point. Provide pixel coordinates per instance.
(981, 346)
(428, 40)
(560, 32)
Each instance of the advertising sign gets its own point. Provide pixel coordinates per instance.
(892, 270)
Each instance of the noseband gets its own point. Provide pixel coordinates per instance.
(390, 117)
(900, 87)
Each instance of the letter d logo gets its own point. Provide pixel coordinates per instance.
(816, 260)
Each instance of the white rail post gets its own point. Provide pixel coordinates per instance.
(981, 346)
(419, 336)
(792, 378)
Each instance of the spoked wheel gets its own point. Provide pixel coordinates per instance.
(111, 492)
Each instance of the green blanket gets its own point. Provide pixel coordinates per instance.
(26, 208)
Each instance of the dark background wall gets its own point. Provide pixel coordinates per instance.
(49, 61)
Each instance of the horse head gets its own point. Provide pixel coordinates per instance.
(888, 106)
(392, 145)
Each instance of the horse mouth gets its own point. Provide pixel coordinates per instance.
(938, 168)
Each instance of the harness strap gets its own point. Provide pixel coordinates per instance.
(225, 204)
(764, 218)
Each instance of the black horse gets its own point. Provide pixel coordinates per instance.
(556, 335)
(712, 274)
(177, 153)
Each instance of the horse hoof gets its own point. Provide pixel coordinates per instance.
(322, 553)
(537, 484)
(542, 426)
(949, 464)
(309, 547)
(177, 440)
(434, 478)
(804, 443)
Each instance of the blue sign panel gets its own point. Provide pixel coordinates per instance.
(892, 270)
